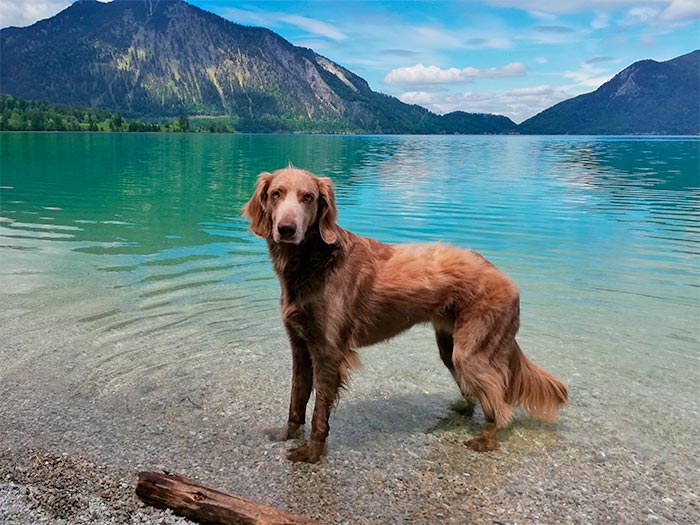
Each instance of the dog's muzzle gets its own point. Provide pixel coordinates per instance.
(286, 231)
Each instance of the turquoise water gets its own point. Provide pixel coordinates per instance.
(138, 238)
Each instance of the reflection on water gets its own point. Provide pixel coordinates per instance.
(140, 238)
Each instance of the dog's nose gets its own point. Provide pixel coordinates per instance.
(286, 229)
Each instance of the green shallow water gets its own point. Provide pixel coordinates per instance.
(136, 244)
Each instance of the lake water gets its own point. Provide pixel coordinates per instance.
(126, 254)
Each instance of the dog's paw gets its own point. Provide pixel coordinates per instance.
(482, 444)
(307, 453)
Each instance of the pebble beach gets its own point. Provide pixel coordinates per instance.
(71, 449)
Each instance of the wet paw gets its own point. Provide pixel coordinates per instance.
(482, 444)
(306, 453)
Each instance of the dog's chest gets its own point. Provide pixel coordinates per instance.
(304, 281)
(301, 315)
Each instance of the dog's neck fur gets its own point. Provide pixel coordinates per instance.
(299, 265)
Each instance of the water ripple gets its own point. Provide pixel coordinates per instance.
(149, 253)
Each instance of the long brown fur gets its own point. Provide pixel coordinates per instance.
(341, 291)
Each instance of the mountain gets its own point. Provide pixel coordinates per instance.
(158, 59)
(163, 58)
(648, 97)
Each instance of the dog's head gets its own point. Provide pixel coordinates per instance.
(289, 203)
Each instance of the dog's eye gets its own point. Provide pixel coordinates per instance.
(275, 194)
(308, 197)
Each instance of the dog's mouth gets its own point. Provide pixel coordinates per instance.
(283, 240)
(286, 237)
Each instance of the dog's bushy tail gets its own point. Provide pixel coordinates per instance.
(534, 389)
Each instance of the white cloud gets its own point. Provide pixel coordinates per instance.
(518, 104)
(420, 74)
(541, 15)
(438, 37)
(680, 11)
(24, 13)
(315, 27)
(600, 20)
(638, 11)
(246, 17)
(422, 98)
(660, 20)
(586, 78)
(640, 15)
(538, 7)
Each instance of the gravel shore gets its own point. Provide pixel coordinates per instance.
(77, 425)
(547, 483)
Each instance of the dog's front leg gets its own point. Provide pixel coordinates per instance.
(327, 380)
(302, 383)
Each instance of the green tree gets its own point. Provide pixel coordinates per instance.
(17, 121)
(36, 119)
(5, 119)
(59, 122)
(116, 122)
(183, 123)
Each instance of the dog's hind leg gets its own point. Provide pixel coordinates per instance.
(483, 337)
(445, 343)
(486, 381)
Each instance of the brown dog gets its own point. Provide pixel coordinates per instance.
(341, 292)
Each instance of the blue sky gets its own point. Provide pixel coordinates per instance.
(511, 57)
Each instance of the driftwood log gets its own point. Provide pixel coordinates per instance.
(204, 504)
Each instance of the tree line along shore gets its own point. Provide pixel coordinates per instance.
(17, 114)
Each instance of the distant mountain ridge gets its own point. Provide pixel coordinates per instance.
(165, 58)
(647, 97)
(146, 58)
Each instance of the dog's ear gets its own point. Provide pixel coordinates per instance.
(328, 211)
(256, 208)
